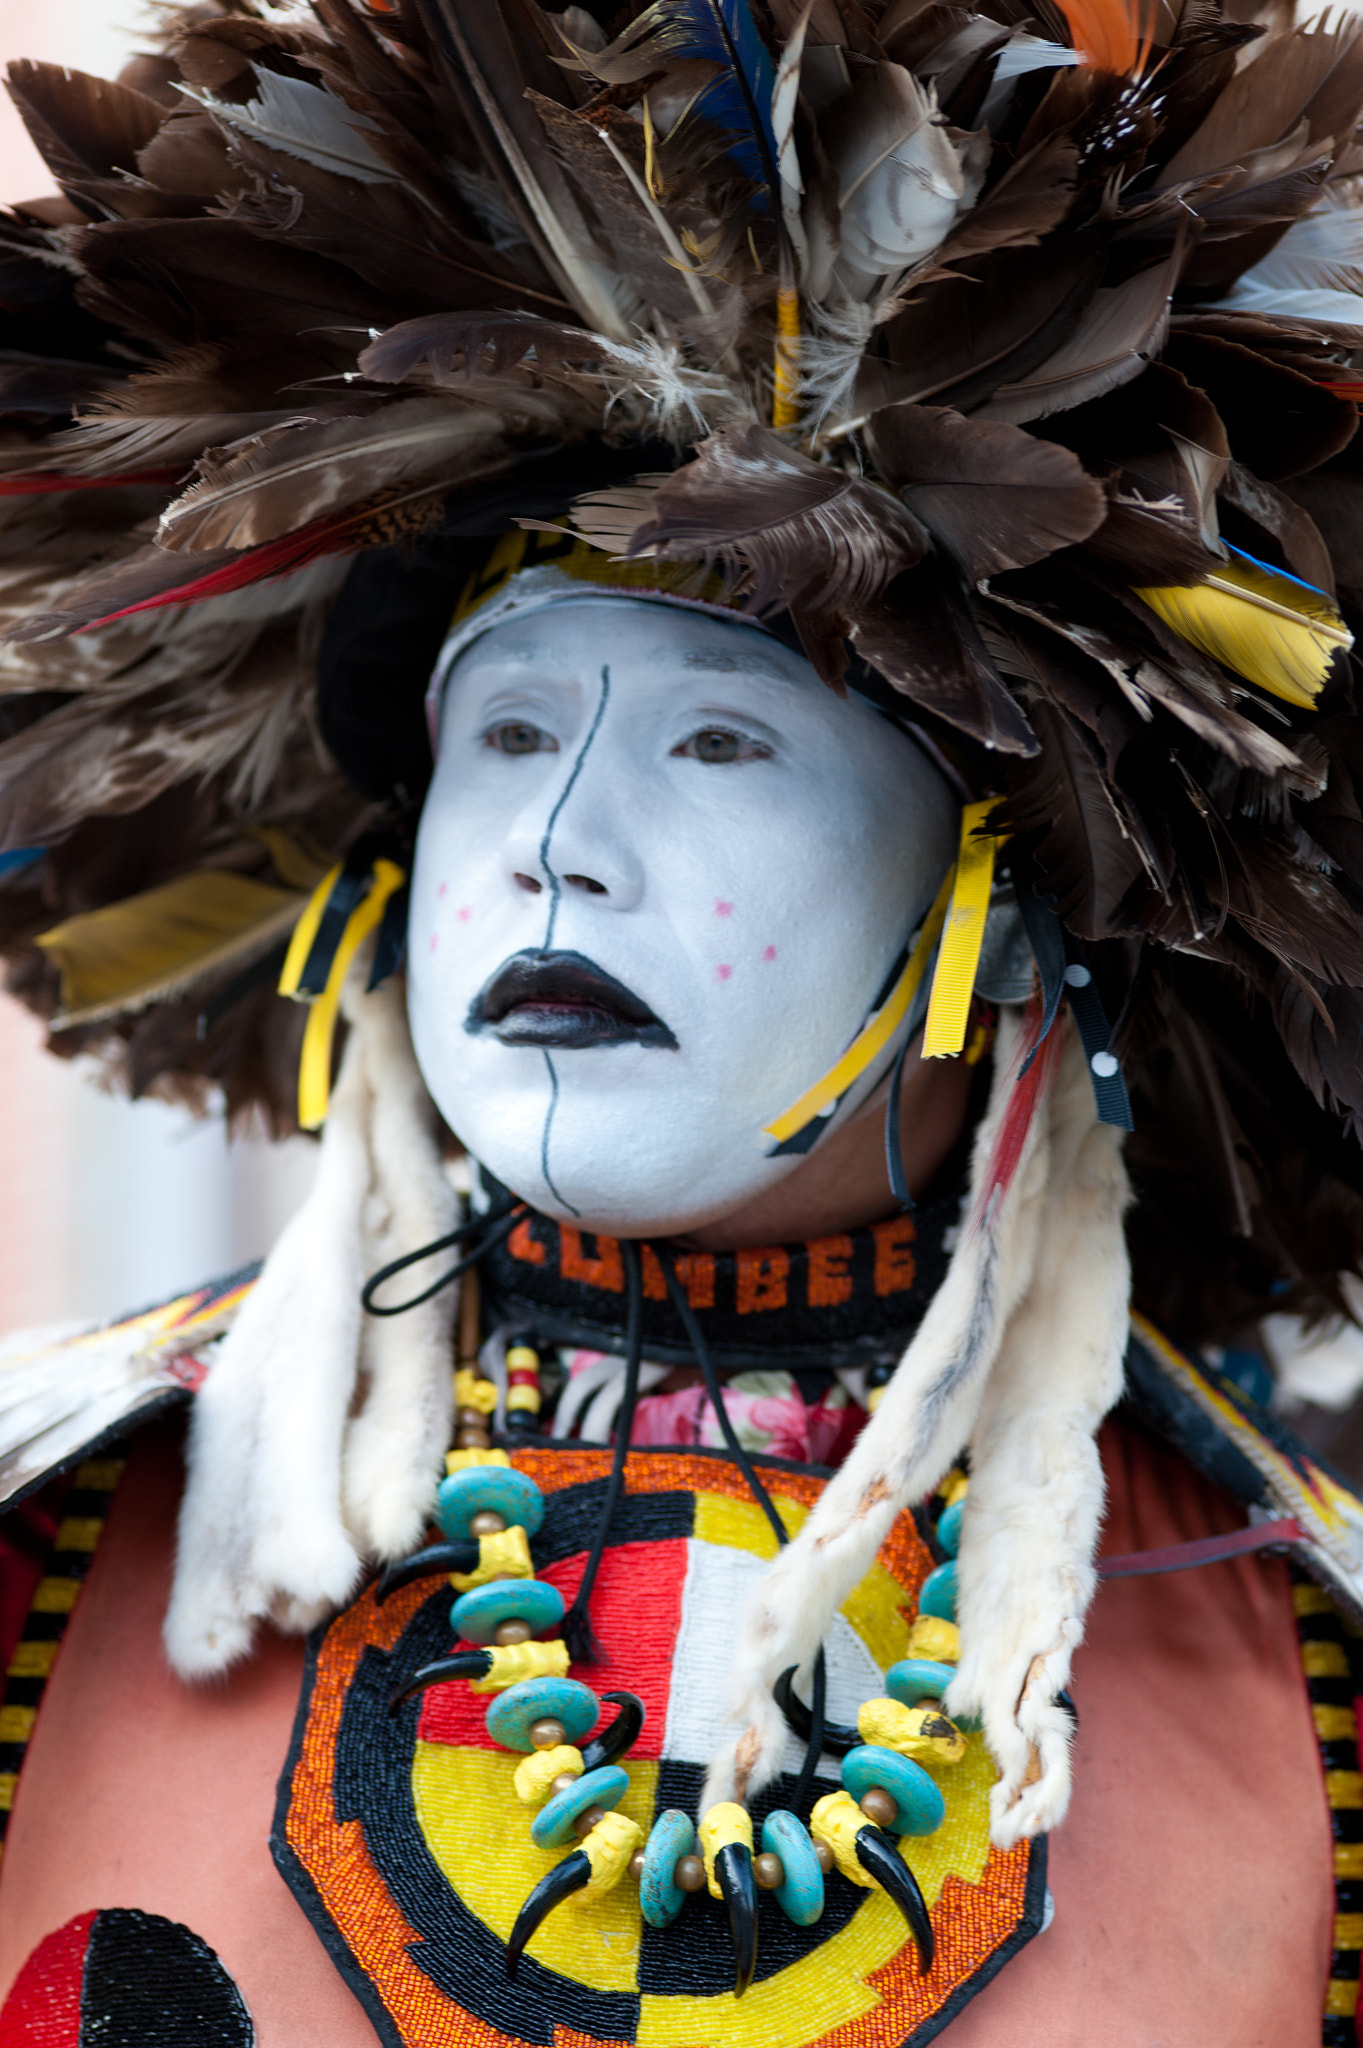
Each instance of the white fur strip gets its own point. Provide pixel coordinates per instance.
(925, 1416)
(1036, 1490)
(396, 1442)
(260, 1524)
(289, 1482)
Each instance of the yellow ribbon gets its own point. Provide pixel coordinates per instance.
(314, 1066)
(874, 1036)
(953, 984)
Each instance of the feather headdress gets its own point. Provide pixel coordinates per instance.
(1022, 366)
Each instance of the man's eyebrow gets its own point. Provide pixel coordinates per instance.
(735, 664)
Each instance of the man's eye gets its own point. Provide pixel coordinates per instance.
(517, 737)
(715, 745)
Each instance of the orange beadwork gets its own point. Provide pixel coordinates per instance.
(347, 1883)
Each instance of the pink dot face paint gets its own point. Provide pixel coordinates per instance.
(769, 952)
(434, 942)
(723, 909)
(723, 972)
(464, 913)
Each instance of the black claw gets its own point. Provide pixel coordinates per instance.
(733, 1868)
(424, 1564)
(463, 1664)
(1062, 1699)
(553, 1888)
(880, 1859)
(837, 1737)
(624, 1730)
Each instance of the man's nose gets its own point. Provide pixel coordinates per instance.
(578, 846)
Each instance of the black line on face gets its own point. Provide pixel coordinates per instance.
(555, 886)
(548, 1177)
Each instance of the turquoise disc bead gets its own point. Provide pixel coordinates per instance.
(919, 1806)
(478, 1615)
(949, 1528)
(672, 1836)
(552, 1827)
(801, 1896)
(938, 1596)
(488, 1489)
(918, 1678)
(513, 1713)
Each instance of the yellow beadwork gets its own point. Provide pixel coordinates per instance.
(954, 1487)
(512, 1662)
(904, 1729)
(609, 1847)
(938, 1641)
(503, 1556)
(536, 1773)
(460, 1461)
(837, 1819)
(471, 1390)
(723, 1824)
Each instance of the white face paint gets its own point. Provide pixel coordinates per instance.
(661, 876)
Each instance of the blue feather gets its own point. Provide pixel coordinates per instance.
(738, 99)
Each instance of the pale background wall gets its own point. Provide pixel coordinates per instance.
(106, 1205)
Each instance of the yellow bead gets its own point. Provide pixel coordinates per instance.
(725, 1823)
(511, 1662)
(923, 1733)
(471, 1390)
(938, 1641)
(521, 1358)
(610, 1849)
(504, 1556)
(523, 1399)
(461, 1460)
(837, 1820)
(537, 1773)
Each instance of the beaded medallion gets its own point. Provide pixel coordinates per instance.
(401, 1835)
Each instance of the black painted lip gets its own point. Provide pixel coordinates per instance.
(563, 1001)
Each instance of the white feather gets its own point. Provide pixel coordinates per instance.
(925, 1416)
(783, 100)
(901, 178)
(1316, 271)
(305, 121)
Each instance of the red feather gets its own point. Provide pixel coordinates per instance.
(31, 486)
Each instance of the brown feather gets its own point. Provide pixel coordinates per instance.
(993, 497)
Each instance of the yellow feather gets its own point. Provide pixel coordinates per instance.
(130, 953)
(1270, 629)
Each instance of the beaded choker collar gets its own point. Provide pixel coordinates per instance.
(852, 1299)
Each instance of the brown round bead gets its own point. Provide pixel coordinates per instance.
(471, 1418)
(879, 1807)
(564, 1782)
(473, 1440)
(636, 1865)
(827, 1859)
(587, 1820)
(689, 1875)
(768, 1871)
(486, 1523)
(512, 1632)
(547, 1734)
